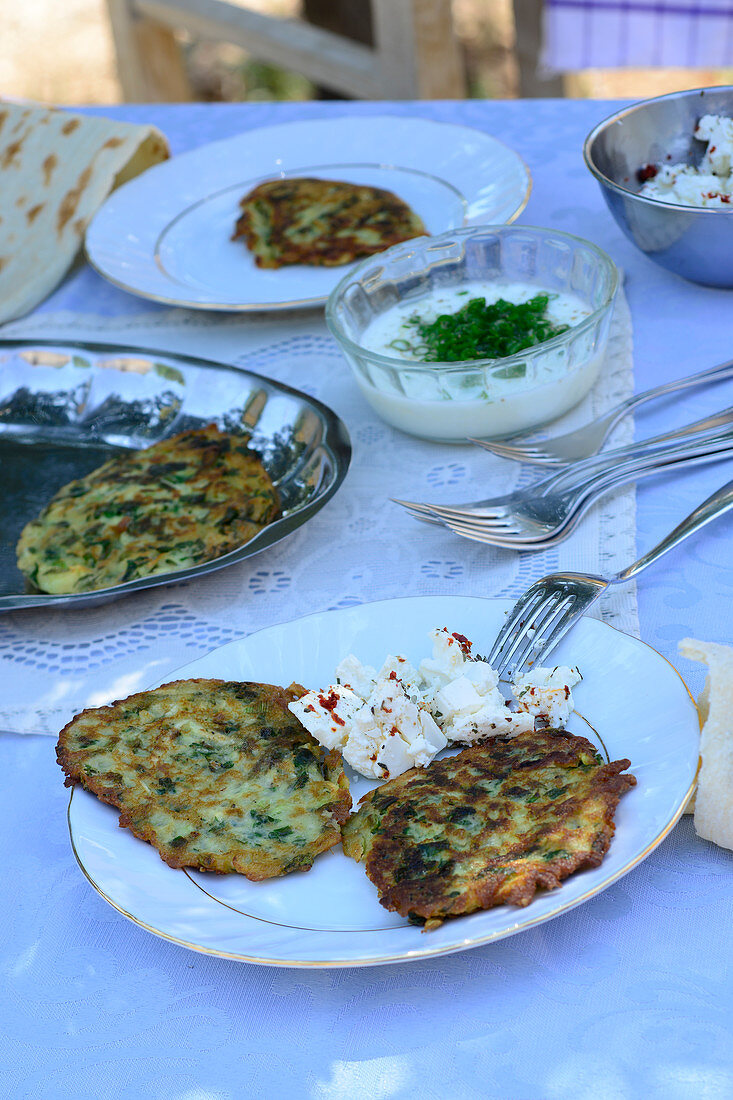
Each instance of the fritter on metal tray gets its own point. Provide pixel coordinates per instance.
(215, 774)
(487, 827)
(185, 500)
(321, 222)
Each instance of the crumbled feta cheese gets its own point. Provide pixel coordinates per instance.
(399, 717)
(390, 733)
(327, 714)
(710, 184)
(357, 677)
(546, 693)
(449, 656)
(492, 720)
(402, 669)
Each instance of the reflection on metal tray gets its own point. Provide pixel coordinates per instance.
(65, 408)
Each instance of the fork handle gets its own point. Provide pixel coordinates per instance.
(712, 374)
(716, 505)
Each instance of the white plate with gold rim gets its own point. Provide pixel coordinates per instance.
(166, 235)
(631, 703)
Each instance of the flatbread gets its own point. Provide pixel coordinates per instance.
(56, 169)
(713, 805)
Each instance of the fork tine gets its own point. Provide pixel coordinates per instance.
(413, 506)
(480, 515)
(421, 513)
(488, 536)
(575, 609)
(525, 606)
(518, 453)
(519, 648)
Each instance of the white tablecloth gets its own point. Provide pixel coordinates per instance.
(626, 996)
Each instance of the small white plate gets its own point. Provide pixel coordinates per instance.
(166, 235)
(637, 706)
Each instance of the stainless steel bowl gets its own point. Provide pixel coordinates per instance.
(693, 242)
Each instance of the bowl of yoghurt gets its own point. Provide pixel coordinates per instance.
(665, 169)
(479, 333)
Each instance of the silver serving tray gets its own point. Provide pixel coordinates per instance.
(67, 407)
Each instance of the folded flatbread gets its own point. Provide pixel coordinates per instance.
(56, 169)
(713, 806)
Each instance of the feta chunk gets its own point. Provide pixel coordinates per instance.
(709, 184)
(391, 733)
(357, 677)
(459, 696)
(491, 720)
(403, 670)
(546, 693)
(484, 678)
(449, 657)
(327, 714)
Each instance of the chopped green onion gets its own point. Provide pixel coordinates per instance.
(481, 331)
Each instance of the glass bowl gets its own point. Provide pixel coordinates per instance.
(478, 398)
(694, 242)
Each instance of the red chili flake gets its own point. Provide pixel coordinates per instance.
(393, 675)
(712, 149)
(330, 702)
(647, 172)
(463, 643)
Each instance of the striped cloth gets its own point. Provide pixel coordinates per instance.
(615, 34)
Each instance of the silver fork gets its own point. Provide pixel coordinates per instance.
(541, 510)
(552, 605)
(588, 440)
(576, 507)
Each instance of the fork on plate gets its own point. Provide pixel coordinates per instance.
(552, 605)
(588, 440)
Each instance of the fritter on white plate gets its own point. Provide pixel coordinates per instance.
(215, 774)
(321, 222)
(183, 501)
(487, 827)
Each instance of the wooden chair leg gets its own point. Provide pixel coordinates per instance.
(149, 61)
(528, 31)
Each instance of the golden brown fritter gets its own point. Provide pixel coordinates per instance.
(185, 500)
(215, 774)
(488, 826)
(321, 222)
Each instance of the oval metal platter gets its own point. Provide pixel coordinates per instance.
(65, 408)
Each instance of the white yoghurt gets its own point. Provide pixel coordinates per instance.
(451, 406)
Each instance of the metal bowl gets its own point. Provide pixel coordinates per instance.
(694, 242)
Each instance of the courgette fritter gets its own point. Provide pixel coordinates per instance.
(183, 501)
(488, 826)
(215, 774)
(321, 222)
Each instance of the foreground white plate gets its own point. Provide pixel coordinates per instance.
(166, 235)
(636, 702)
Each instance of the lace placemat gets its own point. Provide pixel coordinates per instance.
(360, 547)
